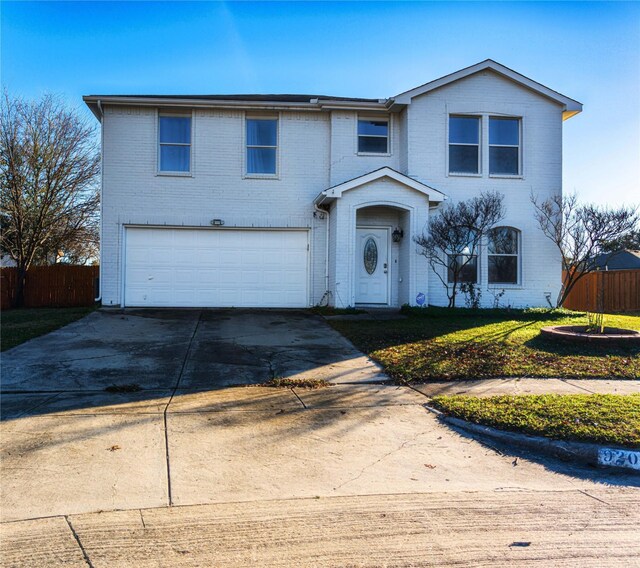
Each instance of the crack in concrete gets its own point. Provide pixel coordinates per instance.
(166, 408)
(77, 538)
(380, 459)
(589, 495)
(268, 359)
(31, 409)
(577, 386)
(301, 401)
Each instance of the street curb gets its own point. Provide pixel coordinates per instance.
(596, 455)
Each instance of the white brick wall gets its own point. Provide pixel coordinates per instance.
(318, 150)
(488, 93)
(346, 164)
(134, 194)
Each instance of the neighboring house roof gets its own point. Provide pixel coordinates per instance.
(571, 107)
(327, 102)
(621, 260)
(336, 191)
(6, 261)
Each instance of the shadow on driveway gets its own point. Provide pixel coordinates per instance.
(153, 353)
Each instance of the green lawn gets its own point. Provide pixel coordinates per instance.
(20, 325)
(443, 344)
(597, 418)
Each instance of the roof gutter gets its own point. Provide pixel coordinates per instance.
(320, 199)
(312, 105)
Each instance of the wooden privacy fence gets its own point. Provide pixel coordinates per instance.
(621, 291)
(59, 286)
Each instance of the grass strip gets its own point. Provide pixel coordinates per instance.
(22, 324)
(595, 418)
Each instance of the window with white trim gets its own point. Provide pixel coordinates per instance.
(373, 136)
(262, 146)
(464, 144)
(174, 143)
(464, 262)
(504, 146)
(504, 255)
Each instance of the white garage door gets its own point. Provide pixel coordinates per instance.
(216, 268)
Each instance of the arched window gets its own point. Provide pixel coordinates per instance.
(504, 255)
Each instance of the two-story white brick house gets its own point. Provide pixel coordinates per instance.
(294, 200)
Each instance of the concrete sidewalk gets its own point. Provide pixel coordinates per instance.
(123, 451)
(492, 387)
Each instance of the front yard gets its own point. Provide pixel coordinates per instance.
(20, 325)
(596, 418)
(443, 344)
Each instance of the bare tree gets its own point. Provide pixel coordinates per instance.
(49, 166)
(581, 232)
(628, 241)
(453, 238)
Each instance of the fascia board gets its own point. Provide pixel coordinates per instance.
(571, 106)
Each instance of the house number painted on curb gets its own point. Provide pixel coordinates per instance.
(619, 458)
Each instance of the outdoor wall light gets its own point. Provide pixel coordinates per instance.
(217, 222)
(397, 235)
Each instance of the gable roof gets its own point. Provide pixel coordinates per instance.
(336, 191)
(327, 102)
(571, 107)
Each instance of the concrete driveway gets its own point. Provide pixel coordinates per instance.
(70, 449)
(186, 349)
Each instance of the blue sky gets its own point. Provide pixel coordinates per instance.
(589, 51)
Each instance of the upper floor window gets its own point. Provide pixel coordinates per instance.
(262, 145)
(504, 146)
(373, 136)
(175, 143)
(503, 255)
(464, 144)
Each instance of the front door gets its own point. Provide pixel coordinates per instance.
(372, 266)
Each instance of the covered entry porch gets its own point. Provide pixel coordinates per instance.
(373, 260)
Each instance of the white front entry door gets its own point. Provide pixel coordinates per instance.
(372, 266)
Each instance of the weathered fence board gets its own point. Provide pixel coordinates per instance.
(59, 285)
(621, 291)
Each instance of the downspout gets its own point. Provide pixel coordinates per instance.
(322, 214)
(99, 104)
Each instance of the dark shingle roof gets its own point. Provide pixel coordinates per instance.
(621, 260)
